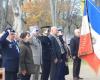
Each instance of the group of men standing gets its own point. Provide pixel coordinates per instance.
(27, 53)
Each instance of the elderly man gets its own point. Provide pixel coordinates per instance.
(74, 46)
(55, 54)
(36, 50)
(10, 54)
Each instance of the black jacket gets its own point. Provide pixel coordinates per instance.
(74, 46)
(46, 47)
(55, 49)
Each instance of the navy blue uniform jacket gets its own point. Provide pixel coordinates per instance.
(10, 54)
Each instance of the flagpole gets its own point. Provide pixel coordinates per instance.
(82, 7)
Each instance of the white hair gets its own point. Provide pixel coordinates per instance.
(77, 32)
(33, 29)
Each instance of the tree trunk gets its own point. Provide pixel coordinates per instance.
(4, 10)
(18, 26)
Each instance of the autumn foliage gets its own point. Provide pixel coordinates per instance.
(37, 12)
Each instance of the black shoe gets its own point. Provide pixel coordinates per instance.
(80, 78)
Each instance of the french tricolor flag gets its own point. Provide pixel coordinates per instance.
(89, 48)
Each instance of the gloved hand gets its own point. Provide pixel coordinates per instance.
(9, 30)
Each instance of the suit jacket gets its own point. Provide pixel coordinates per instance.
(74, 46)
(55, 48)
(10, 54)
(26, 57)
(46, 47)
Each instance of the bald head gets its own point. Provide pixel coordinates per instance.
(54, 30)
(77, 32)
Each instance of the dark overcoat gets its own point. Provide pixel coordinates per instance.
(26, 57)
(55, 54)
(74, 46)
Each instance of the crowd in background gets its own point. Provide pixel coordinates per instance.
(23, 55)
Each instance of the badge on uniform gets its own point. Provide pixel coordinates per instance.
(10, 45)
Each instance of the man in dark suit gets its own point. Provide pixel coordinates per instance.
(55, 55)
(46, 54)
(74, 46)
(10, 54)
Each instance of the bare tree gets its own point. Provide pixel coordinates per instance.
(4, 11)
(1, 14)
(18, 15)
(68, 13)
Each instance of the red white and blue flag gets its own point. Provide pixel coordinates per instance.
(89, 49)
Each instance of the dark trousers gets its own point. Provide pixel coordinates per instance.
(10, 75)
(26, 77)
(55, 71)
(61, 71)
(63, 68)
(76, 67)
(46, 65)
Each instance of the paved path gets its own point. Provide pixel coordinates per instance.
(86, 72)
